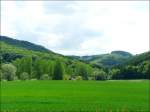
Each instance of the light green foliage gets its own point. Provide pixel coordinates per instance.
(82, 70)
(23, 65)
(78, 77)
(1, 74)
(66, 77)
(45, 77)
(8, 71)
(24, 76)
(16, 78)
(42, 66)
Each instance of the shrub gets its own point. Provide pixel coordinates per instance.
(15, 78)
(24, 76)
(33, 79)
(66, 77)
(78, 78)
(8, 72)
(45, 77)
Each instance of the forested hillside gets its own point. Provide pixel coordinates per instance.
(23, 44)
(39, 64)
(137, 66)
(23, 60)
(106, 60)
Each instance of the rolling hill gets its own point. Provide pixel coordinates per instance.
(12, 49)
(130, 66)
(23, 44)
(106, 60)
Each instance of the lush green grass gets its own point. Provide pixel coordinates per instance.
(75, 96)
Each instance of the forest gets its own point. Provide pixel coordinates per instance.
(22, 60)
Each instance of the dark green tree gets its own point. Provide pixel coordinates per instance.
(82, 70)
(42, 66)
(100, 75)
(58, 71)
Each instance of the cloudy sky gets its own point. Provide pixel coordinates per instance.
(79, 27)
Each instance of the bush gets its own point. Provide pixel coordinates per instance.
(78, 78)
(15, 78)
(45, 77)
(24, 76)
(66, 77)
(33, 79)
(8, 72)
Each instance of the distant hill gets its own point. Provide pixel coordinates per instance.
(23, 44)
(106, 60)
(122, 53)
(139, 58)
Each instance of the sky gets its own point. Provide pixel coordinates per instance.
(79, 27)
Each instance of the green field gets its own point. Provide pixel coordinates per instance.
(75, 96)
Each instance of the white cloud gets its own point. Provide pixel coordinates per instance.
(123, 27)
(50, 40)
(81, 27)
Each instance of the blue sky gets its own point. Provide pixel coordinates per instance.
(79, 27)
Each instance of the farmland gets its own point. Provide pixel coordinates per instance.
(75, 96)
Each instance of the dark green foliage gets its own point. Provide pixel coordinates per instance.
(114, 73)
(58, 71)
(83, 70)
(100, 75)
(122, 53)
(8, 57)
(42, 66)
(140, 71)
(137, 67)
(137, 59)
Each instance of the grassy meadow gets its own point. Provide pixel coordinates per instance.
(75, 96)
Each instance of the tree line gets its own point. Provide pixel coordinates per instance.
(27, 68)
